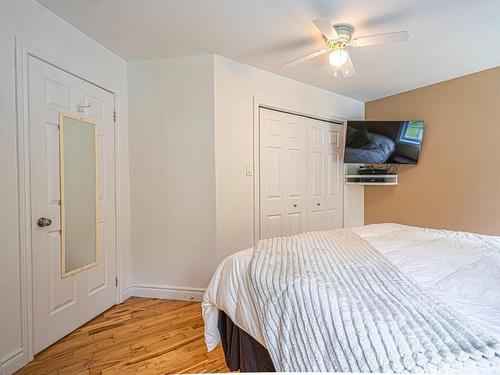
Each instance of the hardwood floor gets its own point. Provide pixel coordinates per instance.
(140, 336)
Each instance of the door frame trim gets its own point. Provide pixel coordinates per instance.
(294, 109)
(22, 53)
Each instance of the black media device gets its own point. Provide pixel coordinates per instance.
(368, 171)
(371, 179)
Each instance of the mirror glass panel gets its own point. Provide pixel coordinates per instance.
(79, 222)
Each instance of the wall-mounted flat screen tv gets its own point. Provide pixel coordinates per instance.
(383, 142)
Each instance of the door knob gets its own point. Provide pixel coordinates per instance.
(295, 205)
(318, 204)
(43, 222)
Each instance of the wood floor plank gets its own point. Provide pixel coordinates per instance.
(140, 336)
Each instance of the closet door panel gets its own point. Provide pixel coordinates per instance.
(325, 175)
(283, 140)
(274, 186)
(316, 176)
(296, 143)
(317, 221)
(333, 196)
(272, 176)
(295, 191)
(273, 226)
(295, 223)
(317, 191)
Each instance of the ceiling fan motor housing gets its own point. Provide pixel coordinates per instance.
(344, 32)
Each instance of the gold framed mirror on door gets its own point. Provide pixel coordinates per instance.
(79, 194)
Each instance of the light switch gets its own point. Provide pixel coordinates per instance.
(249, 170)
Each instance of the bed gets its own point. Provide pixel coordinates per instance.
(460, 269)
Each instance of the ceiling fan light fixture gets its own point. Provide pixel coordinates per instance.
(338, 57)
(347, 70)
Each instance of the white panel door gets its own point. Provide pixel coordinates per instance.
(324, 175)
(60, 305)
(283, 140)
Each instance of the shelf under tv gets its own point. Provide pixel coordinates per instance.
(356, 179)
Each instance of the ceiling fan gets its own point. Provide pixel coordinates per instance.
(339, 37)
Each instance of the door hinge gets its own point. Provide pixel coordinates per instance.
(114, 116)
(116, 282)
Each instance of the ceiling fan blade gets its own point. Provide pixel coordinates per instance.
(305, 58)
(373, 40)
(347, 70)
(326, 28)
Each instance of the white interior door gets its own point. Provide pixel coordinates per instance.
(283, 139)
(324, 175)
(62, 304)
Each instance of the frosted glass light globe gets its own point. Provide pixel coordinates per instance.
(338, 57)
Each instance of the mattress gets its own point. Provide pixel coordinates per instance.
(461, 269)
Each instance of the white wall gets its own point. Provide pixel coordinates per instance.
(191, 136)
(40, 28)
(172, 174)
(235, 86)
(354, 200)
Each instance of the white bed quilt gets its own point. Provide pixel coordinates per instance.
(460, 269)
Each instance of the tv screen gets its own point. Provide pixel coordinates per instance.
(383, 142)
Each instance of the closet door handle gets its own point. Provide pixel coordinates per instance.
(295, 205)
(43, 222)
(318, 204)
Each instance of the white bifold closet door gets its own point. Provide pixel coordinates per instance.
(300, 174)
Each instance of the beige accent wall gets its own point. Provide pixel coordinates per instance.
(456, 184)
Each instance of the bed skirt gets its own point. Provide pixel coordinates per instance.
(241, 350)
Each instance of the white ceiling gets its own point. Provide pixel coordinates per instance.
(448, 38)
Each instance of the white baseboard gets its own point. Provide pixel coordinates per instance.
(125, 294)
(13, 362)
(163, 292)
